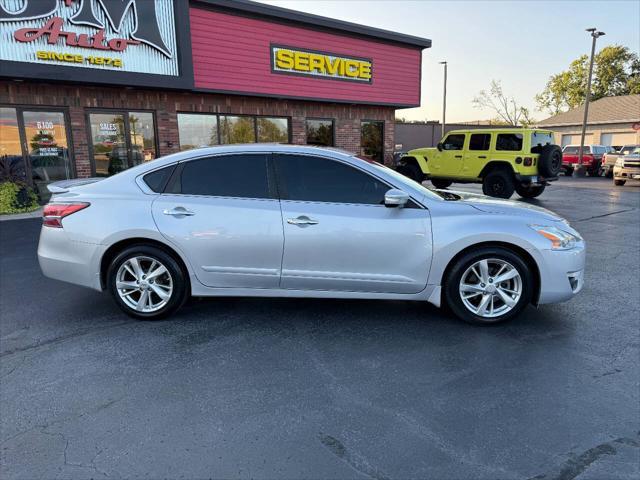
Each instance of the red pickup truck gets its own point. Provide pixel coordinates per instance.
(591, 158)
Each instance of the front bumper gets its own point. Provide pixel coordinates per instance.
(626, 173)
(561, 274)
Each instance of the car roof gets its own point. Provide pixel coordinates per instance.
(500, 130)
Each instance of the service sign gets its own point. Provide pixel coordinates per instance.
(137, 36)
(317, 64)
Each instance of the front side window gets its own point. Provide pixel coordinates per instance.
(320, 132)
(455, 141)
(318, 179)
(273, 130)
(235, 129)
(195, 131)
(511, 142)
(480, 141)
(241, 176)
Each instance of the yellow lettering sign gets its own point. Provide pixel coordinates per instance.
(286, 60)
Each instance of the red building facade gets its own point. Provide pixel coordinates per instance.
(84, 97)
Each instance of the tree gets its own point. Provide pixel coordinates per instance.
(616, 71)
(506, 108)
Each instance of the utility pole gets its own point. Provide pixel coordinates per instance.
(579, 170)
(444, 100)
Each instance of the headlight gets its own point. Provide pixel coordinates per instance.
(620, 162)
(560, 240)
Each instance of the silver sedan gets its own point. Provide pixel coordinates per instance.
(297, 221)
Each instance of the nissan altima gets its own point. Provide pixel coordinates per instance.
(300, 221)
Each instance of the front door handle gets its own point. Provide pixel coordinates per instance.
(482, 156)
(179, 212)
(302, 221)
(458, 156)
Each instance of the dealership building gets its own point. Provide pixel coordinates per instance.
(92, 87)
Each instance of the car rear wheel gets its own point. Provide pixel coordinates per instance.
(529, 191)
(411, 171)
(489, 285)
(568, 171)
(498, 183)
(146, 282)
(441, 183)
(619, 183)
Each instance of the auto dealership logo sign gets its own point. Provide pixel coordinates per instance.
(126, 35)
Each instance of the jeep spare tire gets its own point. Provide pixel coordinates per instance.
(550, 160)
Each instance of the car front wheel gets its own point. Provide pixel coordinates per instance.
(146, 282)
(489, 285)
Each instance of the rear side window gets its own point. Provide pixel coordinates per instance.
(242, 176)
(480, 141)
(455, 141)
(317, 179)
(157, 180)
(511, 142)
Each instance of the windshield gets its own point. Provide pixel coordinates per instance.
(628, 149)
(539, 140)
(404, 180)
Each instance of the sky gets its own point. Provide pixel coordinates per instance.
(520, 43)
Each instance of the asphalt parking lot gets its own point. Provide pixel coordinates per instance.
(271, 388)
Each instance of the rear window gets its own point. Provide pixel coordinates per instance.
(573, 150)
(510, 142)
(157, 180)
(539, 140)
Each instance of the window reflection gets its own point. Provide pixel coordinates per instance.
(235, 129)
(320, 132)
(12, 167)
(372, 141)
(197, 131)
(273, 130)
(143, 146)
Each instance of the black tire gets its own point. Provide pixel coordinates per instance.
(454, 275)
(498, 183)
(528, 191)
(441, 183)
(412, 171)
(594, 171)
(568, 171)
(619, 183)
(179, 280)
(609, 173)
(550, 160)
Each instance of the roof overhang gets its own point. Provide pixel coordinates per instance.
(285, 14)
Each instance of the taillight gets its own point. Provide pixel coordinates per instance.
(53, 213)
(528, 161)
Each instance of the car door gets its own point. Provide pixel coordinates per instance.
(476, 154)
(448, 161)
(223, 214)
(340, 236)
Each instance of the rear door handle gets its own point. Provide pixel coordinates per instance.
(179, 212)
(458, 156)
(302, 221)
(482, 156)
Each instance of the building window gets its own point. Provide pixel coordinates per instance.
(320, 132)
(372, 140)
(235, 129)
(12, 165)
(121, 140)
(273, 130)
(197, 131)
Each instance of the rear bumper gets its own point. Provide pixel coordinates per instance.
(562, 274)
(67, 260)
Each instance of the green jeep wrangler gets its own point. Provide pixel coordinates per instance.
(503, 160)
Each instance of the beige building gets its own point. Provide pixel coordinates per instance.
(611, 122)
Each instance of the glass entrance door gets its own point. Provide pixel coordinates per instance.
(47, 149)
(121, 140)
(34, 148)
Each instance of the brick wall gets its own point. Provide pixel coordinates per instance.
(78, 100)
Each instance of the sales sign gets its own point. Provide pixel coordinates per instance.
(320, 64)
(123, 35)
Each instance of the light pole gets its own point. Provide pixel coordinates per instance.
(579, 170)
(444, 100)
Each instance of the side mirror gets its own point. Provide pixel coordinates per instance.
(395, 198)
(439, 147)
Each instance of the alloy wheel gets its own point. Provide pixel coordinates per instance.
(144, 284)
(490, 287)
